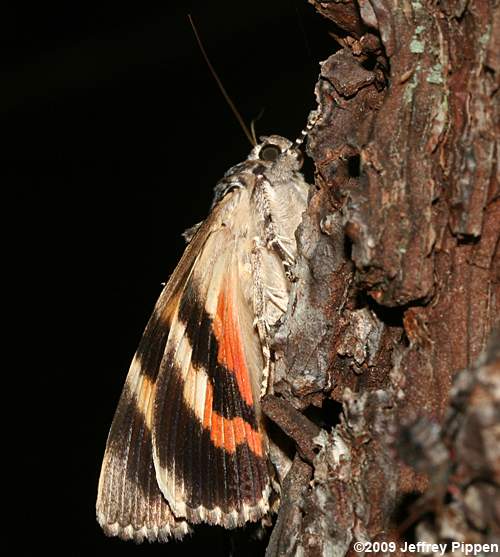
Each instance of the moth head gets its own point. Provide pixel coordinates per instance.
(275, 156)
(277, 149)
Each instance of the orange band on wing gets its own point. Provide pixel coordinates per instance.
(228, 433)
(231, 354)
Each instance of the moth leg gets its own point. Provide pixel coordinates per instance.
(259, 304)
(288, 260)
(274, 241)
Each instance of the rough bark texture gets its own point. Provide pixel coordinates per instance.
(397, 286)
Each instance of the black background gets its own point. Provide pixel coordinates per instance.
(116, 134)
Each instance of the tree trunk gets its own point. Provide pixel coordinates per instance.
(397, 288)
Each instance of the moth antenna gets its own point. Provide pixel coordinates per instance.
(221, 87)
(252, 129)
(252, 125)
(311, 122)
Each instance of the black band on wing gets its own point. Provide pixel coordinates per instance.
(151, 349)
(133, 443)
(214, 477)
(205, 350)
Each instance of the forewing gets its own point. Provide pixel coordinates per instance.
(129, 502)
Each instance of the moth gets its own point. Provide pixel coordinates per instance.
(187, 444)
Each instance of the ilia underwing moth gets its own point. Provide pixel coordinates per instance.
(187, 444)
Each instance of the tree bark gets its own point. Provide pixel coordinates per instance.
(397, 287)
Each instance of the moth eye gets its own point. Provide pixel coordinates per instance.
(269, 153)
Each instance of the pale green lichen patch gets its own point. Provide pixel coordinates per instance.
(484, 39)
(416, 46)
(410, 87)
(436, 75)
